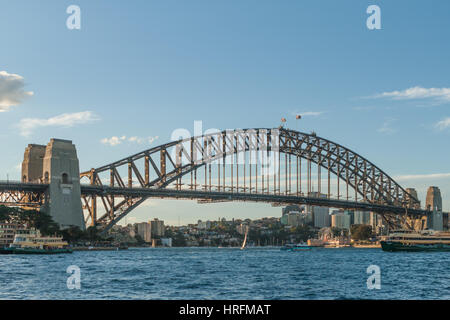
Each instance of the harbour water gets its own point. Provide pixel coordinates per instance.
(227, 273)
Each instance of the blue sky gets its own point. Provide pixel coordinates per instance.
(141, 69)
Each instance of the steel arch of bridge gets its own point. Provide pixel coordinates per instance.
(275, 150)
(29, 195)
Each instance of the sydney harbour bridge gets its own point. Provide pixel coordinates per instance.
(276, 166)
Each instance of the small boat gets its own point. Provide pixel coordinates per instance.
(406, 240)
(30, 241)
(296, 247)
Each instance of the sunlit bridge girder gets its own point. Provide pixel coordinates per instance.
(276, 163)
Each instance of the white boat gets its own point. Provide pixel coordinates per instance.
(30, 241)
(407, 240)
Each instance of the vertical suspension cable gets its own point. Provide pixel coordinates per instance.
(285, 174)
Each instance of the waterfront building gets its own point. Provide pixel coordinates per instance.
(157, 227)
(144, 230)
(7, 232)
(434, 204)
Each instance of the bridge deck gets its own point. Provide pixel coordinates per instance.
(20, 186)
(251, 197)
(217, 196)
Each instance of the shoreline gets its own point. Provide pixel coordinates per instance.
(120, 248)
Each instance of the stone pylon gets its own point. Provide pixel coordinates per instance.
(434, 204)
(416, 224)
(32, 164)
(411, 200)
(57, 165)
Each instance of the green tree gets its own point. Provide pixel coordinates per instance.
(336, 231)
(179, 240)
(139, 239)
(361, 232)
(73, 234)
(303, 233)
(93, 234)
(43, 222)
(31, 218)
(5, 213)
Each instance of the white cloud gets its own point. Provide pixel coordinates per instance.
(386, 128)
(12, 90)
(423, 176)
(135, 139)
(28, 125)
(114, 141)
(443, 124)
(438, 94)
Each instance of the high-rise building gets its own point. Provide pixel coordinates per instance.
(144, 230)
(293, 219)
(362, 217)
(322, 218)
(319, 216)
(341, 219)
(291, 208)
(157, 227)
(294, 216)
(434, 204)
(377, 223)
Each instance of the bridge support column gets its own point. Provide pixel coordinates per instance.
(434, 204)
(61, 171)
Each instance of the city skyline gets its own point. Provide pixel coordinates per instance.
(383, 93)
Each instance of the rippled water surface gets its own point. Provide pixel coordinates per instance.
(216, 273)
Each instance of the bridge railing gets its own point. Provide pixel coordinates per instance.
(18, 182)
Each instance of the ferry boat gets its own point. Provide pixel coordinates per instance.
(30, 241)
(296, 247)
(406, 240)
